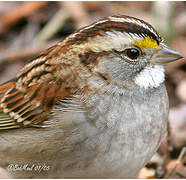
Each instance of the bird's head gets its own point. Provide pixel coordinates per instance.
(122, 48)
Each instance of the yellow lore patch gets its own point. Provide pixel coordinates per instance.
(147, 42)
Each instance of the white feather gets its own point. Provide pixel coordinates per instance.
(114, 40)
(150, 77)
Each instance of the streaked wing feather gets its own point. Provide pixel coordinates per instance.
(29, 99)
(30, 108)
(6, 122)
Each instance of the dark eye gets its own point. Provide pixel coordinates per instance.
(132, 53)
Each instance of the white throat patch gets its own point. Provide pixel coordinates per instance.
(151, 76)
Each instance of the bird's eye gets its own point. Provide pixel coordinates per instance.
(132, 53)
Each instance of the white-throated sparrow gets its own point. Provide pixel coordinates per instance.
(92, 106)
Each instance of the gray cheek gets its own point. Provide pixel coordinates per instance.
(116, 68)
(120, 70)
(139, 65)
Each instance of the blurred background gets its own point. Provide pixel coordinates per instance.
(27, 28)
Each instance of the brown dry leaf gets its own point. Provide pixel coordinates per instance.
(25, 9)
(93, 5)
(179, 172)
(146, 173)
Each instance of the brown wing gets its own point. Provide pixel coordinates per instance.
(28, 108)
(29, 99)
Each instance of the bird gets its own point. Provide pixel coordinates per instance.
(92, 106)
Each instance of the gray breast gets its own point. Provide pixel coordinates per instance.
(119, 129)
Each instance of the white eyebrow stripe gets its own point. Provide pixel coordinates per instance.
(131, 20)
(123, 20)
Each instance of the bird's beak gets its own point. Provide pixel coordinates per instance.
(165, 54)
